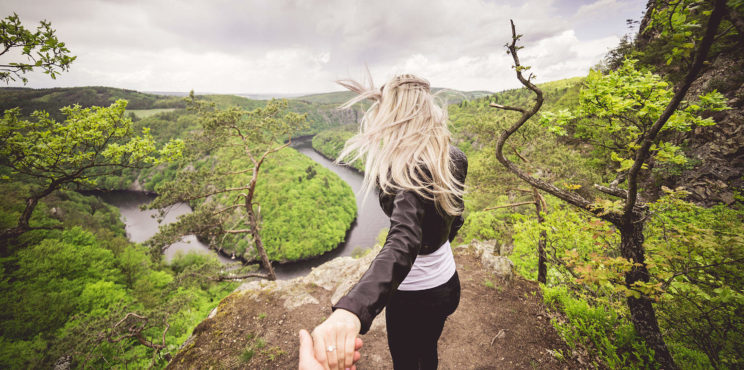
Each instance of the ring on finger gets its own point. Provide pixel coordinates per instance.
(331, 348)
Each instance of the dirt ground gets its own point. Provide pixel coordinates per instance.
(498, 325)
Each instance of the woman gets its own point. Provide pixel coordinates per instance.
(420, 177)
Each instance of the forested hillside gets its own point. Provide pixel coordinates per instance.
(51, 100)
(73, 273)
(449, 95)
(281, 214)
(72, 290)
(330, 142)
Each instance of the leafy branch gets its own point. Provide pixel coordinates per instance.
(41, 48)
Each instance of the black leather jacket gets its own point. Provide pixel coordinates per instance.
(415, 228)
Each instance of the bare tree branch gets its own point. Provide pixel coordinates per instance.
(507, 107)
(240, 231)
(570, 197)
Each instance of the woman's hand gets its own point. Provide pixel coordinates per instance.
(307, 360)
(334, 340)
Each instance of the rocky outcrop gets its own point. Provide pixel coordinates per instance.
(257, 327)
(489, 254)
(715, 172)
(719, 149)
(339, 275)
(136, 186)
(340, 117)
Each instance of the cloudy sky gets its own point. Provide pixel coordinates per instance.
(302, 46)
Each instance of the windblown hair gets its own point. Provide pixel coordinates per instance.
(404, 142)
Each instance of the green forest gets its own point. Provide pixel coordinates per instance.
(79, 241)
(620, 192)
(330, 142)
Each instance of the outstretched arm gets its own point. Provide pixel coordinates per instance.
(353, 314)
(370, 295)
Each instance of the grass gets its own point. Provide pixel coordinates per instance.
(273, 352)
(247, 355)
(258, 344)
(359, 252)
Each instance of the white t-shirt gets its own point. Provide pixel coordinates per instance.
(430, 270)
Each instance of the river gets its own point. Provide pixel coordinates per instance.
(141, 225)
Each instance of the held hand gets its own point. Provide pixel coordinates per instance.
(334, 340)
(307, 355)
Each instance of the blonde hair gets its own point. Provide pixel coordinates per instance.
(404, 141)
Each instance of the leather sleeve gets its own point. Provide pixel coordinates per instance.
(461, 164)
(456, 225)
(372, 293)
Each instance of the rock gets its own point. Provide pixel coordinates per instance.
(486, 246)
(251, 285)
(338, 275)
(213, 313)
(505, 249)
(299, 300)
(501, 266)
(488, 252)
(136, 186)
(728, 198)
(63, 363)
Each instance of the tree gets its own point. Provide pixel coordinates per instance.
(627, 214)
(89, 143)
(248, 137)
(41, 48)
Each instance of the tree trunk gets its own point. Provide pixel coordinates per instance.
(642, 312)
(542, 269)
(31, 203)
(257, 240)
(23, 221)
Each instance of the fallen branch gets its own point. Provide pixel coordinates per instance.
(241, 277)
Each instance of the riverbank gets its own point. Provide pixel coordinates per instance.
(360, 234)
(360, 172)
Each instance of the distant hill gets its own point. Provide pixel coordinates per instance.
(321, 108)
(320, 115)
(269, 96)
(51, 100)
(339, 97)
(245, 95)
(168, 93)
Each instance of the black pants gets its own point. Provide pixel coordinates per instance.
(415, 320)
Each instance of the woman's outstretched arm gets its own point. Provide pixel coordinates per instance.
(353, 314)
(370, 295)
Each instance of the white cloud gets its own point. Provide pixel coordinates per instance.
(278, 46)
(599, 7)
